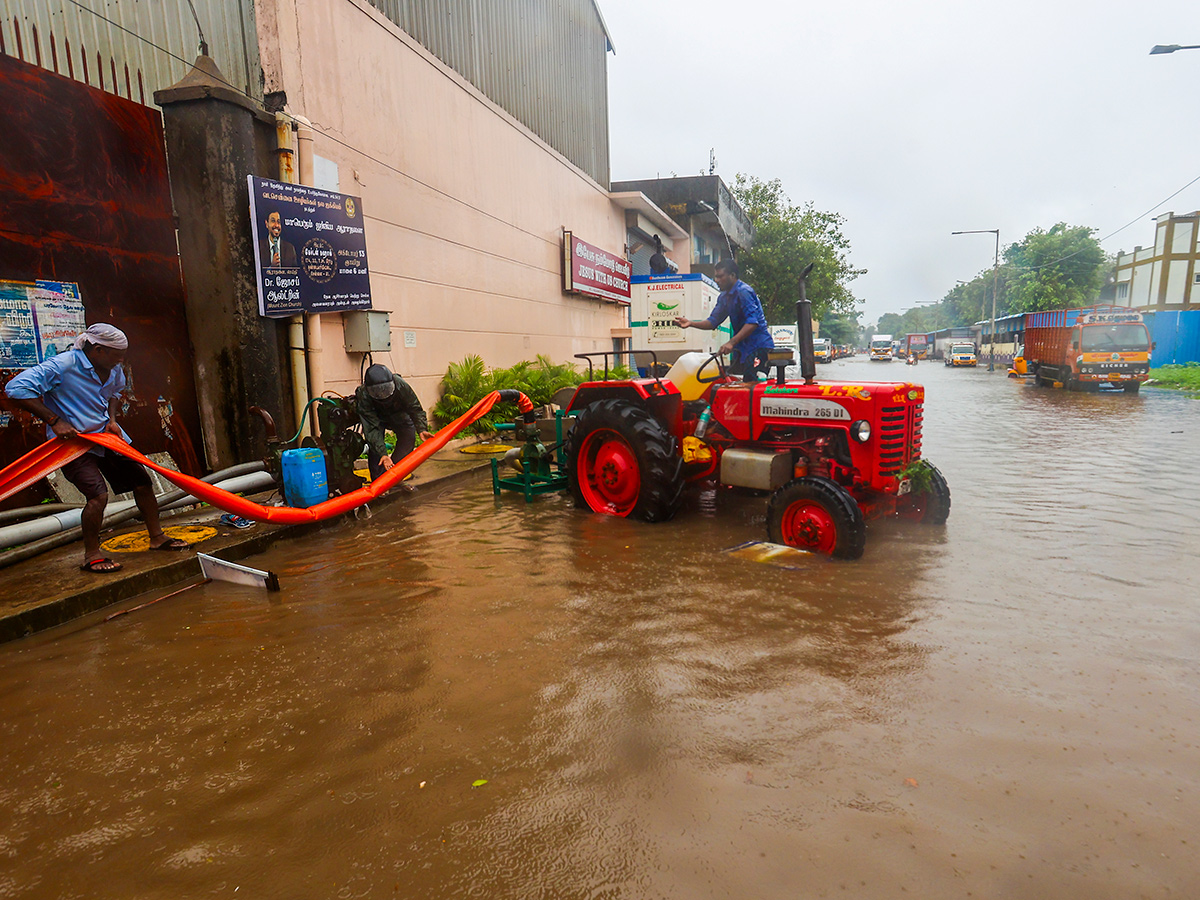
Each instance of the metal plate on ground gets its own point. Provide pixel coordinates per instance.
(771, 554)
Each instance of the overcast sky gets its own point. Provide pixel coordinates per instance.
(913, 120)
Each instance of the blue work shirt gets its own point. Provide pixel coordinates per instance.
(740, 305)
(70, 387)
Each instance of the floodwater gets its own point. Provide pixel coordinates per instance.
(1004, 707)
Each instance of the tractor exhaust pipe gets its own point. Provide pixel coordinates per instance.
(804, 332)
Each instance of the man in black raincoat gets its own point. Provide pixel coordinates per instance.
(385, 402)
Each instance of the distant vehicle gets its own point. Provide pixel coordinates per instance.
(961, 354)
(1085, 348)
(917, 345)
(881, 348)
(822, 350)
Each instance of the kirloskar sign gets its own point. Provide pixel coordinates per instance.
(594, 272)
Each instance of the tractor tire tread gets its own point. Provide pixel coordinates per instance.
(658, 457)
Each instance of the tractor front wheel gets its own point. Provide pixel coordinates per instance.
(932, 505)
(819, 515)
(622, 461)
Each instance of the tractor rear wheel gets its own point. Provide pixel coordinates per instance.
(622, 461)
(932, 506)
(817, 514)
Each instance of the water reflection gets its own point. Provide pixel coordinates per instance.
(651, 716)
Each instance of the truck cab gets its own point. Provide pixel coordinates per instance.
(881, 348)
(822, 350)
(961, 354)
(1088, 348)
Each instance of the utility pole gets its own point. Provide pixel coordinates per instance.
(995, 288)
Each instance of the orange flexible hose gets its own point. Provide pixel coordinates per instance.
(53, 454)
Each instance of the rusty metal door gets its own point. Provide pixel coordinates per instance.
(84, 198)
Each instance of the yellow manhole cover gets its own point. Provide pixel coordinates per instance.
(486, 448)
(137, 541)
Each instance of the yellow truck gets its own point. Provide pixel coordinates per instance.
(961, 354)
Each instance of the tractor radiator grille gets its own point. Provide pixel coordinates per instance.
(899, 438)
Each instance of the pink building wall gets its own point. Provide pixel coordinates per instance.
(464, 206)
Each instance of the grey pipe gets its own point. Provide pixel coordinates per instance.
(25, 532)
(235, 478)
(32, 512)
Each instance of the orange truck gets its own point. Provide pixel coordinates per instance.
(1082, 349)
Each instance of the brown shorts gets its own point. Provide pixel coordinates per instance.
(89, 471)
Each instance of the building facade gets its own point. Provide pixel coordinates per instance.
(1167, 275)
(475, 134)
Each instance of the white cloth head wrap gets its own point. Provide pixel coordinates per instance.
(105, 335)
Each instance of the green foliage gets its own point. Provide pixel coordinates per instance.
(921, 475)
(1180, 377)
(467, 382)
(1057, 269)
(786, 239)
(1062, 268)
(841, 329)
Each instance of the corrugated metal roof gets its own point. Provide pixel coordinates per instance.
(543, 61)
(132, 47)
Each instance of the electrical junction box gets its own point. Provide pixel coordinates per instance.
(367, 331)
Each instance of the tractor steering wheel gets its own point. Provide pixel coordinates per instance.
(721, 373)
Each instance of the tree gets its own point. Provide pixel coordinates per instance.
(1056, 269)
(786, 239)
(840, 329)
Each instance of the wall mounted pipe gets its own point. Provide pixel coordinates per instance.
(246, 477)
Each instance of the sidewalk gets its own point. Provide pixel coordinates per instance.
(50, 589)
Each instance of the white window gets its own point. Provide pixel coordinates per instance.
(1123, 290)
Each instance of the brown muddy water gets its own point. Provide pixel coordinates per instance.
(1006, 707)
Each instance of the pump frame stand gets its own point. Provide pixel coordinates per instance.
(540, 474)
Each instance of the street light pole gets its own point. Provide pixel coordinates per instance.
(1171, 48)
(995, 286)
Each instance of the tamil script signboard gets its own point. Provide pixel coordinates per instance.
(310, 249)
(593, 272)
(38, 319)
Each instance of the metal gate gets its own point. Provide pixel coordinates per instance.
(84, 198)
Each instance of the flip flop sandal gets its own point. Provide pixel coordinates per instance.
(173, 544)
(101, 565)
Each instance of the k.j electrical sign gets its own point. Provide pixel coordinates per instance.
(593, 272)
(309, 250)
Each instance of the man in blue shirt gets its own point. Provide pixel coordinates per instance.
(79, 391)
(740, 305)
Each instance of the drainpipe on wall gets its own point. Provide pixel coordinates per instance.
(312, 322)
(283, 148)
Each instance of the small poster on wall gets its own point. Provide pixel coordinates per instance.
(310, 249)
(38, 320)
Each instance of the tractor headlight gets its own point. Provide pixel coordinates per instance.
(860, 430)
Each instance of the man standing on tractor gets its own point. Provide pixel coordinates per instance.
(751, 339)
(385, 401)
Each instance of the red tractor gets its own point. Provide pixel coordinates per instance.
(831, 454)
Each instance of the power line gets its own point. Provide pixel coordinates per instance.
(1133, 221)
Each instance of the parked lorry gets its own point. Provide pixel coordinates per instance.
(1082, 349)
(961, 353)
(881, 348)
(830, 454)
(822, 350)
(917, 345)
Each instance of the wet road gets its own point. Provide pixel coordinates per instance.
(1006, 707)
